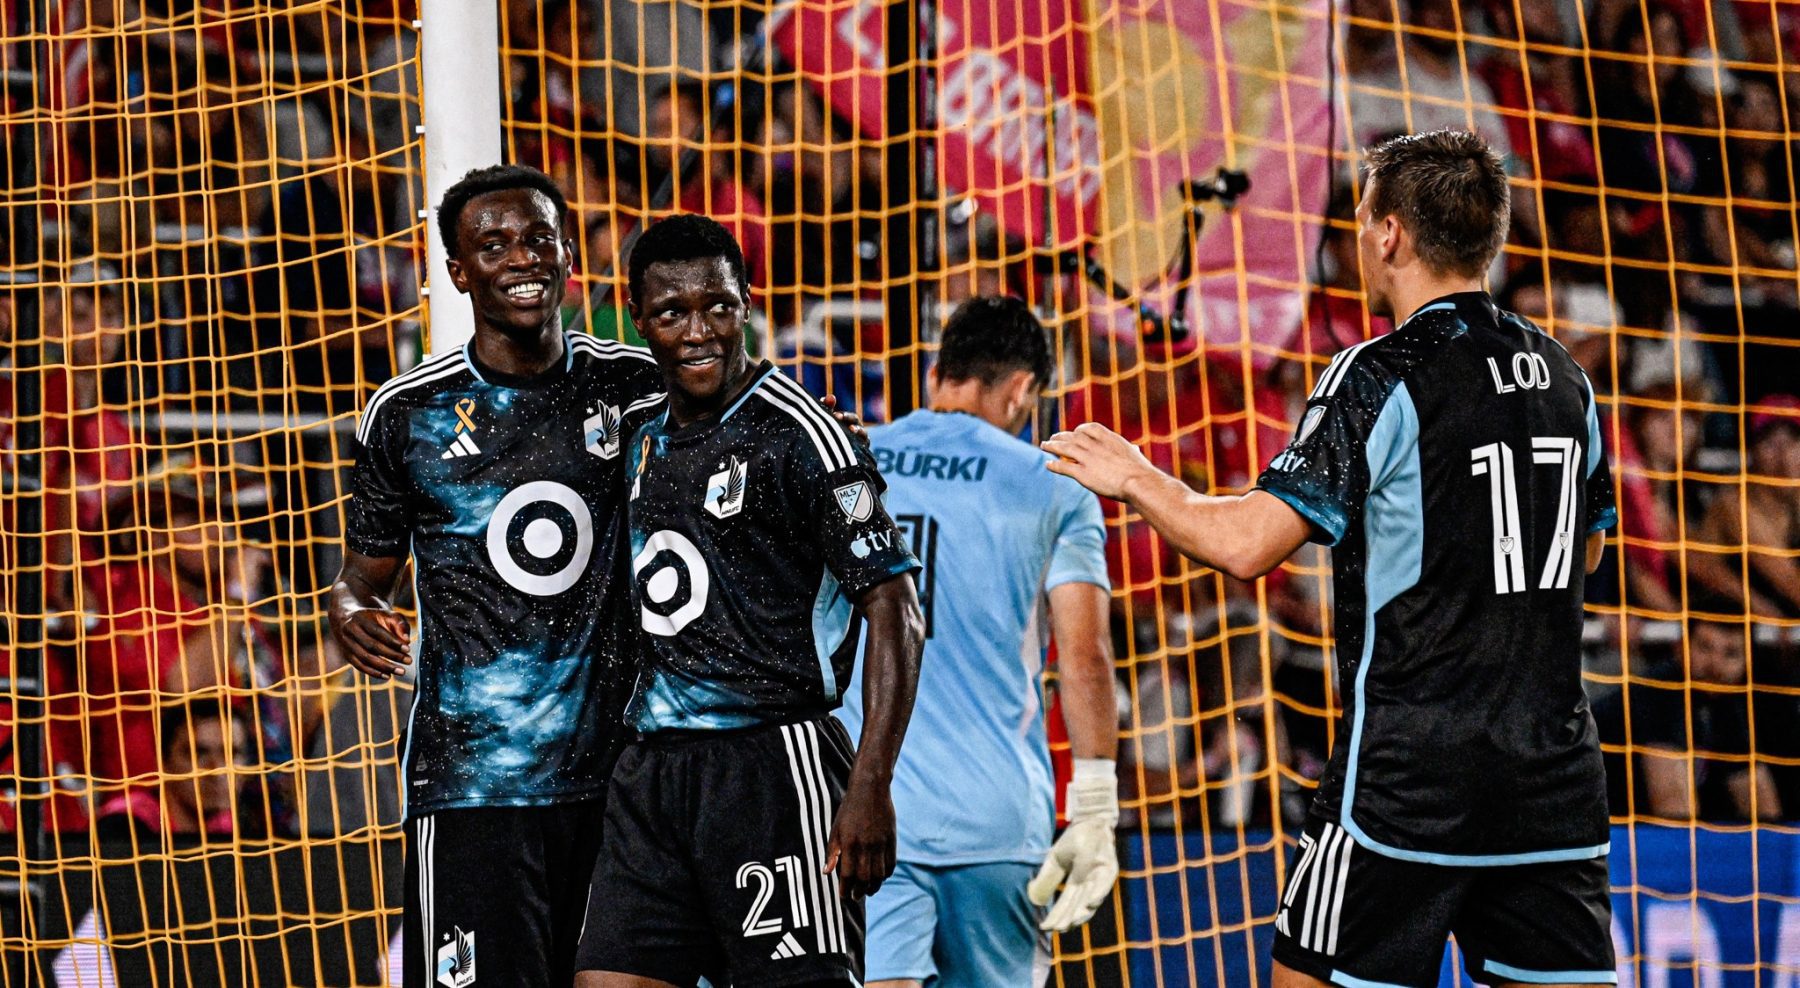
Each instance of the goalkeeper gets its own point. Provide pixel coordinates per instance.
(998, 537)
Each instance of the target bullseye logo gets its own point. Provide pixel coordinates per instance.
(544, 537)
(668, 557)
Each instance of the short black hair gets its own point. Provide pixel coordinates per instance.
(992, 335)
(494, 178)
(1449, 188)
(684, 237)
(186, 714)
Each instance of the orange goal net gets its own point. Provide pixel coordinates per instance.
(213, 249)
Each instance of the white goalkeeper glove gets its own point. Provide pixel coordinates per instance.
(1085, 854)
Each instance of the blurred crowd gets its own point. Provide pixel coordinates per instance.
(235, 259)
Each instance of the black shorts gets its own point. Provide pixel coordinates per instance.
(1352, 916)
(497, 893)
(712, 865)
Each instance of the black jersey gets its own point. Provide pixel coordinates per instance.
(750, 534)
(509, 496)
(1455, 466)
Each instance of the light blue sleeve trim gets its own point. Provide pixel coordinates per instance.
(1593, 416)
(1550, 977)
(1324, 520)
(1351, 981)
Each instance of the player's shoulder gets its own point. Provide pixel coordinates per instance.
(1540, 341)
(642, 412)
(622, 365)
(782, 411)
(435, 375)
(592, 349)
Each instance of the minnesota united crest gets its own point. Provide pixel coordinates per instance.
(725, 489)
(456, 960)
(601, 431)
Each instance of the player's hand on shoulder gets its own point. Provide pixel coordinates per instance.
(846, 417)
(862, 849)
(376, 640)
(1097, 458)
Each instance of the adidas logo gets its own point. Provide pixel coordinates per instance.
(788, 947)
(463, 446)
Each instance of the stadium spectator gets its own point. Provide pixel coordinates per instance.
(1538, 87)
(1757, 525)
(824, 191)
(1753, 228)
(1642, 162)
(168, 616)
(88, 443)
(207, 749)
(1430, 84)
(1158, 763)
(1661, 500)
(1686, 720)
(1581, 315)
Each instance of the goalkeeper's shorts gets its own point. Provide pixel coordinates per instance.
(1351, 916)
(711, 863)
(957, 926)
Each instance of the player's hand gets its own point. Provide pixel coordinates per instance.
(1086, 854)
(846, 417)
(1098, 458)
(376, 640)
(861, 850)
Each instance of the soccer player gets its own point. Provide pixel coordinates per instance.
(498, 468)
(741, 826)
(1455, 468)
(998, 538)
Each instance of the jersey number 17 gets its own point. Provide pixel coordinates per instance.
(1495, 461)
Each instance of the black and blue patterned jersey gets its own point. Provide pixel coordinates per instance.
(751, 534)
(1456, 469)
(508, 494)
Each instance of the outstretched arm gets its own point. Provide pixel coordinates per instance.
(862, 847)
(1243, 536)
(375, 637)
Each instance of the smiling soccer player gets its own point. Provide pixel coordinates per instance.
(742, 828)
(497, 466)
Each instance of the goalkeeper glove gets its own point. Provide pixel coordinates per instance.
(1085, 853)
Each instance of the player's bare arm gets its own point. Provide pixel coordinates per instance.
(1245, 537)
(861, 850)
(1086, 855)
(375, 637)
(1084, 661)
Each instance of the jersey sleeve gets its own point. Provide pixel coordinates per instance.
(1078, 549)
(379, 514)
(1325, 472)
(837, 491)
(1602, 508)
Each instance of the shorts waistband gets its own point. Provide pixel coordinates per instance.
(674, 737)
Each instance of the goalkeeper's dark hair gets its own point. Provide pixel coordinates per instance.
(685, 237)
(494, 178)
(1449, 189)
(990, 336)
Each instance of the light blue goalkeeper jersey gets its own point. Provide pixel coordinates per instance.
(994, 531)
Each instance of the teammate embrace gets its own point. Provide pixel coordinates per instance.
(678, 550)
(673, 553)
